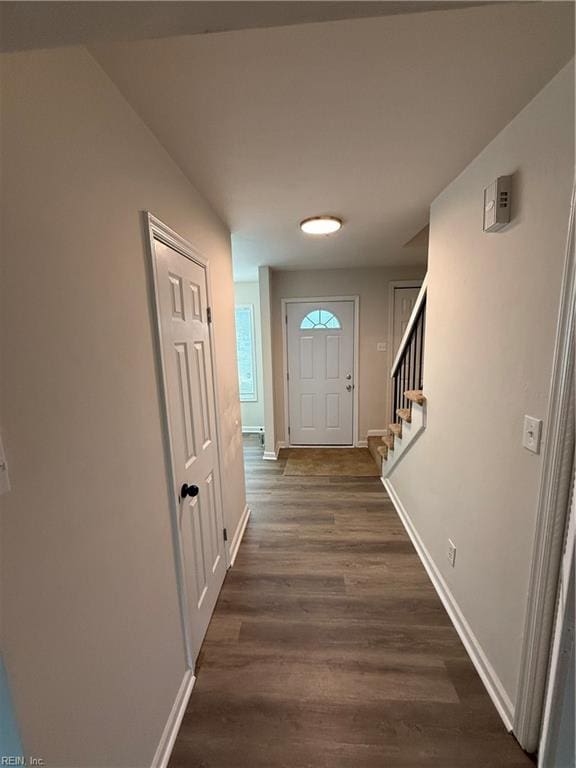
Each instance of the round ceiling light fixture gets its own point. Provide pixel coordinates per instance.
(321, 225)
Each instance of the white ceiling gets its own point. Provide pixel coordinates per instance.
(53, 23)
(368, 119)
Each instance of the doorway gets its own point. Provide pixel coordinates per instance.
(404, 299)
(183, 315)
(321, 395)
(401, 300)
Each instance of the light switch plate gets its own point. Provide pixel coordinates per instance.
(531, 434)
(4, 477)
(497, 204)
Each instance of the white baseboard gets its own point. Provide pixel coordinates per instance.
(304, 447)
(362, 444)
(252, 430)
(164, 749)
(237, 538)
(491, 681)
(273, 455)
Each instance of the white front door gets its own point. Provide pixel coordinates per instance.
(182, 299)
(320, 339)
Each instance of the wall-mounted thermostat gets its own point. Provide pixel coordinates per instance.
(497, 204)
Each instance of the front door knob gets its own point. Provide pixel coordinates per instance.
(189, 490)
(349, 387)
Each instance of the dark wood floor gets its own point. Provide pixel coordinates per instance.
(329, 647)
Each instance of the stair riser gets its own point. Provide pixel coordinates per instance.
(410, 433)
(405, 414)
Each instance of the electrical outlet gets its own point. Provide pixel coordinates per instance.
(451, 553)
(381, 346)
(531, 434)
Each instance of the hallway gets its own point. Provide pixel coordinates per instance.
(329, 646)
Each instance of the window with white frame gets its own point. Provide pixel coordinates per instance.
(246, 352)
(319, 318)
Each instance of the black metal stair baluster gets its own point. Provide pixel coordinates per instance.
(416, 340)
(404, 380)
(413, 360)
(409, 373)
(423, 336)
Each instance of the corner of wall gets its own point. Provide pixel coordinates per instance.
(265, 284)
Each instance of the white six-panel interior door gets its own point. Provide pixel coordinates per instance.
(320, 337)
(181, 292)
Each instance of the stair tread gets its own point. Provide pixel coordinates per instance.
(396, 429)
(383, 451)
(374, 445)
(415, 395)
(405, 414)
(389, 441)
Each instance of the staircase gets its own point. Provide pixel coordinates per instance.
(388, 450)
(408, 418)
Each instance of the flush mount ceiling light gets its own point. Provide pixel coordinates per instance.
(321, 225)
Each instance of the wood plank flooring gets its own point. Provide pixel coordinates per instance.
(329, 647)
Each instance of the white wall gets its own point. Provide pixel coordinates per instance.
(372, 286)
(265, 287)
(490, 327)
(253, 412)
(91, 632)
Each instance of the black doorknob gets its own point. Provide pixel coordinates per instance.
(188, 490)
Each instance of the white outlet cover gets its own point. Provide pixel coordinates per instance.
(381, 346)
(531, 434)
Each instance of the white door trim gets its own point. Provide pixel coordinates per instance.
(559, 672)
(157, 230)
(551, 514)
(266, 321)
(303, 300)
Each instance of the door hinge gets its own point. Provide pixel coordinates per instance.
(209, 314)
(287, 376)
(225, 534)
(288, 433)
(286, 319)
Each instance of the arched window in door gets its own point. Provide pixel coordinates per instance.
(319, 319)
